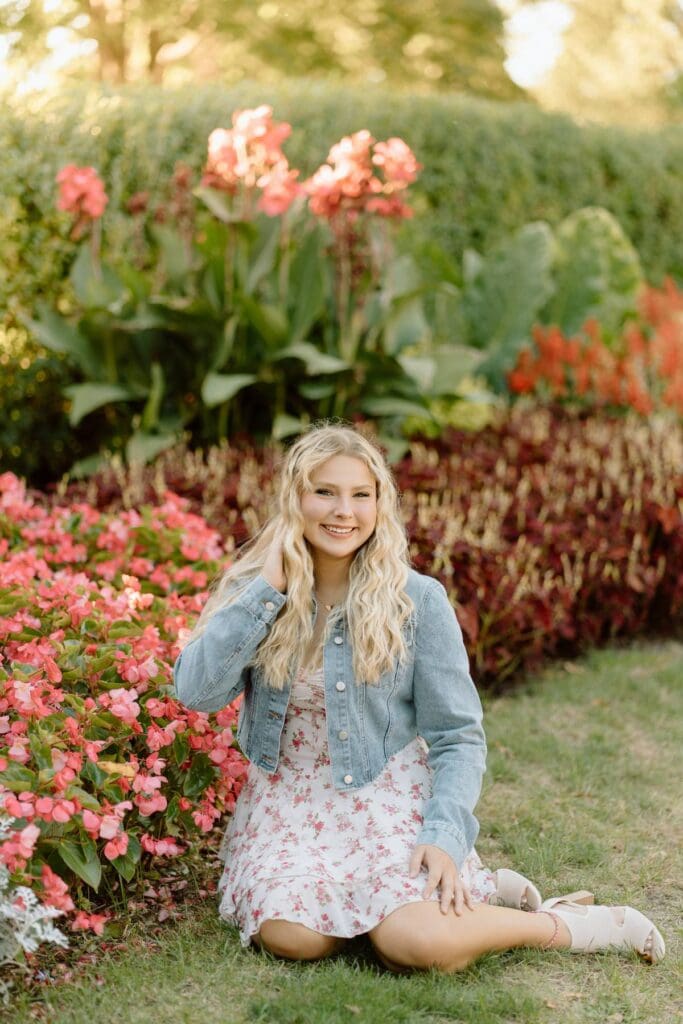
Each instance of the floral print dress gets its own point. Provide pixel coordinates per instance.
(300, 850)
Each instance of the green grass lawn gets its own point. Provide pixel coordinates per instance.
(583, 791)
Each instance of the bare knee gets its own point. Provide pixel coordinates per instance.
(295, 941)
(402, 949)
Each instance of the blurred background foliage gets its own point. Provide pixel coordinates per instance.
(134, 86)
(434, 46)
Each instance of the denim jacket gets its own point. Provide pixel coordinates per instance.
(431, 694)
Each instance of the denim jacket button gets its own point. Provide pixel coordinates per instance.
(269, 605)
(343, 734)
(338, 640)
(341, 685)
(348, 779)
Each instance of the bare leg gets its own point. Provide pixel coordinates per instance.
(419, 936)
(296, 941)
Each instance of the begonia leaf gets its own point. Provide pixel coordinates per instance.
(82, 858)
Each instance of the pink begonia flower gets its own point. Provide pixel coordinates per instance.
(92, 748)
(149, 805)
(91, 822)
(19, 752)
(167, 847)
(55, 890)
(81, 192)
(134, 670)
(158, 738)
(27, 839)
(148, 783)
(116, 847)
(122, 704)
(92, 922)
(109, 826)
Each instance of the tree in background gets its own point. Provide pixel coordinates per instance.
(433, 45)
(622, 61)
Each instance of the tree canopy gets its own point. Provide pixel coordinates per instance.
(622, 61)
(433, 45)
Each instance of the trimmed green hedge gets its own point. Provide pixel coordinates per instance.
(488, 168)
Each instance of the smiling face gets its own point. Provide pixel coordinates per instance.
(340, 509)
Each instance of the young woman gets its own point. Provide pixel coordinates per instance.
(363, 731)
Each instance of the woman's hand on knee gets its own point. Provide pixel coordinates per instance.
(443, 873)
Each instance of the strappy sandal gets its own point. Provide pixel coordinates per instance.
(595, 927)
(514, 890)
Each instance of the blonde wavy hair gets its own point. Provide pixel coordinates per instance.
(377, 607)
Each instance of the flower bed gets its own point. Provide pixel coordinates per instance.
(101, 768)
(550, 531)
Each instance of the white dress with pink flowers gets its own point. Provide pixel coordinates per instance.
(300, 850)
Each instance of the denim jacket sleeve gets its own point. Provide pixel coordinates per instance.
(211, 671)
(449, 717)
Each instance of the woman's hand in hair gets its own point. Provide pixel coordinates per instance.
(442, 874)
(274, 567)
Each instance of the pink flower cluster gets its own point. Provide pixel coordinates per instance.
(249, 156)
(94, 609)
(349, 184)
(82, 194)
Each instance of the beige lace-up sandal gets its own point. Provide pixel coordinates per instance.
(514, 890)
(598, 927)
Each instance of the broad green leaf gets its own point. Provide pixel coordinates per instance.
(17, 778)
(306, 290)
(150, 414)
(452, 363)
(88, 466)
(82, 858)
(217, 203)
(472, 265)
(201, 773)
(597, 272)
(269, 321)
(317, 362)
(402, 277)
(285, 426)
(175, 257)
(393, 406)
(407, 325)
(86, 398)
(420, 369)
(221, 387)
(57, 334)
(266, 256)
(126, 865)
(396, 447)
(95, 285)
(317, 388)
(142, 448)
(224, 348)
(181, 749)
(86, 799)
(502, 302)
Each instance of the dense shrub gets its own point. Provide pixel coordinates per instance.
(489, 168)
(551, 532)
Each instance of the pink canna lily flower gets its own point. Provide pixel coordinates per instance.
(81, 191)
